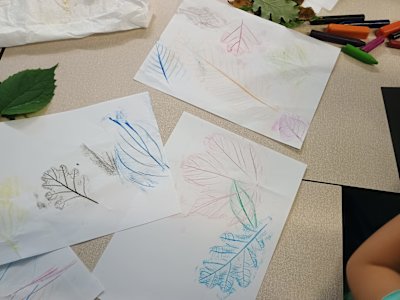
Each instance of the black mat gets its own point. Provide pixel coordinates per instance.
(391, 97)
(364, 212)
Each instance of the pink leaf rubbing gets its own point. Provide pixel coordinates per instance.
(291, 127)
(212, 172)
(240, 40)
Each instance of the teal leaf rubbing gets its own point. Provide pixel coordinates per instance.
(235, 263)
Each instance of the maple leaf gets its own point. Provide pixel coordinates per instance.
(277, 10)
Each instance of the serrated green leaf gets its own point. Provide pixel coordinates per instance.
(292, 24)
(27, 91)
(277, 10)
(246, 8)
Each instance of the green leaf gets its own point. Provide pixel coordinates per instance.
(279, 11)
(293, 23)
(27, 91)
(246, 8)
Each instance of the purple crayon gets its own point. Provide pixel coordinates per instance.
(373, 44)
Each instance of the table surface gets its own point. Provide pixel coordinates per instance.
(348, 142)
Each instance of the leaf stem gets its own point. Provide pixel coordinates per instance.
(242, 206)
(242, 87)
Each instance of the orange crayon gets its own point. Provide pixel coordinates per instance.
(357, 32)
(388, 29)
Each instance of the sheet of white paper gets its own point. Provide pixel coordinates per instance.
(56, 275)
(74, 176)
(241, 67)
(24, 22)
(310, 3)
(326, 4)
(235, 196)
(317, 5)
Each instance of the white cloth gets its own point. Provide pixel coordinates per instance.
(24, 22)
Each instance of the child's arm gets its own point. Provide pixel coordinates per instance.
(373, 271)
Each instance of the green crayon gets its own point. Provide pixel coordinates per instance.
(359, 54)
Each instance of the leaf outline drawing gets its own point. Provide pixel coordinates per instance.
(240, 40)
(64, 186)
(227, 169)
(236, 262)
(138, 156)
(202, 17)
(291, 126)
(165, 62)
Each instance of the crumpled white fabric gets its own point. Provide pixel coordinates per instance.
(30, 21)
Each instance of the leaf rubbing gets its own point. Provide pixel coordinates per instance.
(234, 264)
(227, 174)
(137, 156)
(243, 206)
(277, 10)
(27, 91)
(64, 186)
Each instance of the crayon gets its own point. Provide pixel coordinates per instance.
(333, 38)
(388, 29)
(337, 19)
(394, 36)
(373, 44)
(359, 54)
(394, 44)
(360, 16)
(358, 32)
(370, 24)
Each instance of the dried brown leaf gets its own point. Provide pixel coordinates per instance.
(306, 13)
(241, 3)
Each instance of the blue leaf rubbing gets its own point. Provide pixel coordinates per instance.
(236, 262)
(138, 157)
(165, 62)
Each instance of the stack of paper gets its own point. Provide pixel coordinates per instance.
(235, 196)
(58, 275)
(72, 177)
